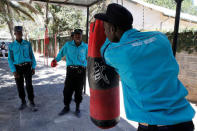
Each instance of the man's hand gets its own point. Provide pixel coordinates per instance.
(33, 71)
(53, 63)
(16, 75)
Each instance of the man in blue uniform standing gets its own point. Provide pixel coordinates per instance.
(76, 61)
(22, 64)
(153, 94)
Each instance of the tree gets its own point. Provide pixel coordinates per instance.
(98, 8)
(68, 18)
(65, 19)
(187, 6)
(10, 9)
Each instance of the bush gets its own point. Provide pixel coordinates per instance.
(187, 41)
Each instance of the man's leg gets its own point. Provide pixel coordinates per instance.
(78, 91)
(68, 91)
(3, 52)
(20, 88)
(29, 86)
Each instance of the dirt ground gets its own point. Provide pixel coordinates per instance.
(48, 88)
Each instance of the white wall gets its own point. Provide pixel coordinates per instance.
(149, 19)
(144, 18)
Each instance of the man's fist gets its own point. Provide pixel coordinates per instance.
(33, 71)
(53, 63)
(16, 75)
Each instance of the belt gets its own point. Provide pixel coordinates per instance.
(23, 64)
(76, 67)
(145, 124)
(183, 123)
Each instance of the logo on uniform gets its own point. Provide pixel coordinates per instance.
(82, 51)
(98, 73)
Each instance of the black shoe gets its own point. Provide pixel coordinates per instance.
(65, 110)
(78, 113)
(33, 106)
(22, 106)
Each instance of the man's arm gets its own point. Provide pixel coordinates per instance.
(87, 52)
(33, 60)
(11, 62)
(61, 53)
(11, 59)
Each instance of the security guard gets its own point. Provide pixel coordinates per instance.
(76, 61)
(22, 63)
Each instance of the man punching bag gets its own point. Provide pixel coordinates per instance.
(103, 81)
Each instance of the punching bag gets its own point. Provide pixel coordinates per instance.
(103, 81)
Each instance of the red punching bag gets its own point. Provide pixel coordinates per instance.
(103, 81)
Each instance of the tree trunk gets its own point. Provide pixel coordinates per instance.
(9, 20)
(10, 26)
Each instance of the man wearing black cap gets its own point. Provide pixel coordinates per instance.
(76, 53)
(153, 94)
(72, 35)
(22, 63)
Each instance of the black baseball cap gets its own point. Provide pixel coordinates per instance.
(117, 15)
(78, 31)
(18, 29)
(72, 34)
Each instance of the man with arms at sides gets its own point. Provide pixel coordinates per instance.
(22, 64)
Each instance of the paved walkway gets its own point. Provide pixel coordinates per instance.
(48, 86)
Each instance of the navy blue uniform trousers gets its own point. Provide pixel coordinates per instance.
(74, 83)
(24, 72)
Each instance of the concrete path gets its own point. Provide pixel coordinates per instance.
(48, 87)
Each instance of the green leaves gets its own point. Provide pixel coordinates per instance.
(187, 6)
(187, 41)
(65, 19)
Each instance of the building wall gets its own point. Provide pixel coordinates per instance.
(148, 19)
(168, 24)
(144, 18)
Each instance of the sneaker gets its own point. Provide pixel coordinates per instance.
(78, 113)
(22, 106)
(65, 110)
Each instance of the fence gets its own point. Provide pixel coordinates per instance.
(38, 45)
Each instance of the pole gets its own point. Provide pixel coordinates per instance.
(87, 25)
(176, 25)
(44, 48)
(46, 25)
(55, 45)
(87, 31)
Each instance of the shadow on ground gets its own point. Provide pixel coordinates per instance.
(49, 99)
(49, 102)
